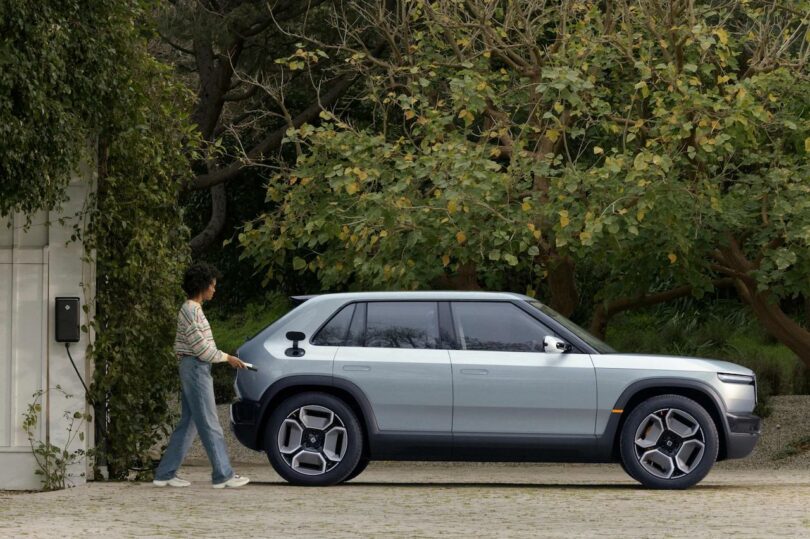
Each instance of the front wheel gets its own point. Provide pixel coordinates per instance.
(669, 442)
(314, 439)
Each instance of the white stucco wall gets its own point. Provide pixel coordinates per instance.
(36, 266)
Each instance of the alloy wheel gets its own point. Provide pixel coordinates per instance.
(312, 440)
(669, 443)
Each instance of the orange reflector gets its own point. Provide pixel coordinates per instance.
(617, 411)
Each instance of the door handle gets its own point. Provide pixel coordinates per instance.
(356, 368)
(478, 372)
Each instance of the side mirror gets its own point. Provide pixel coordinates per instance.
(295, 337)
(553, 345)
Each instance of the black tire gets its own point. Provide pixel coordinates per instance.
(354, 440)
(631, 453)
(361, 467)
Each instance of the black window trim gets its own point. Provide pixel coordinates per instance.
(579, 346)
(332, 317)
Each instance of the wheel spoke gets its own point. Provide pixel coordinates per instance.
(689, 455)
(681, 423)
(289, 436)
(657, 463)
(649, 431)
(309, 463)
(316, 417)
(334, 445)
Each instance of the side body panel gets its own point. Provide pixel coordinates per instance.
(409, 390)
(523, 393)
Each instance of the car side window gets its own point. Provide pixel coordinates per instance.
(402, 324)
(497, 326)
(335, 332)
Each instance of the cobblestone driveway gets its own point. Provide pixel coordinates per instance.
(425, 500)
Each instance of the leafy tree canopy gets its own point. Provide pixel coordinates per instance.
(648, 142)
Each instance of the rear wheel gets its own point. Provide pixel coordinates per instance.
(314, 439)
(669, 442)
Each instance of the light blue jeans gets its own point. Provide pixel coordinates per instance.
(198, 414)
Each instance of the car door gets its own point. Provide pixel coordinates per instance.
(400, 366)
(503, 381)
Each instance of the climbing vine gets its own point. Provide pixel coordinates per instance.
(79, 84)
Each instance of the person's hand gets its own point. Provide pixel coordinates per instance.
(235, 362)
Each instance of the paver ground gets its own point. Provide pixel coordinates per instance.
(425, 500)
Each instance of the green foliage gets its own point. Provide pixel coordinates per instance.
(795, 447)
(53, 461)
(78, 75)
(141, 246)
(641, 142)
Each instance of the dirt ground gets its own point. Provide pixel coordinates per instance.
(425, 500)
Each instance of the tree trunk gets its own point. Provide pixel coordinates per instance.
(775, 321)
(563, 285)
(605, 311)
(215, 225)
(733, 262)
(465, 278)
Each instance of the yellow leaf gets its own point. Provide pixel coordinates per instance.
(584, 236)
(564, 220)
(536, 234)
(495, 152)
(526, 206)
(481, 85)
(461, 237)
(640, 215)
(445, 260)
(362, 174)
(531, 226)
(487, 54)
(558, 107)
(807, 144)
(672, 258)
(722, 35)
(352, 188)
(383, 233)
(552, 135)
(452, 207)
(597, 150)
(409, 114)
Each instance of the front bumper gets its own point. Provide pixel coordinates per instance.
(742, 436)
(244, 422)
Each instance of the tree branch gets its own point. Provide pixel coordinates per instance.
(273, 140)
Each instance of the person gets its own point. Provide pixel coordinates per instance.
(196, 351)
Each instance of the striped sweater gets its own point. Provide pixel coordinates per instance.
(193, 337)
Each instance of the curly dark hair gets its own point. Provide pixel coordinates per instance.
(198, 277)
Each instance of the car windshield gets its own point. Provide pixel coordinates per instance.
(597, 344)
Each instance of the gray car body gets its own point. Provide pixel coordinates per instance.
(449, 404)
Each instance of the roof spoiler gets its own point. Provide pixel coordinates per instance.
(298, 300)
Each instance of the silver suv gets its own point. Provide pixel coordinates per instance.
(478, 376)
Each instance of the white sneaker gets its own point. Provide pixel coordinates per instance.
(234, 482)
(173, 482)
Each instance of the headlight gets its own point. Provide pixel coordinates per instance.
(736, 378)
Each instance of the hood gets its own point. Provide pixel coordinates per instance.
(655, 361)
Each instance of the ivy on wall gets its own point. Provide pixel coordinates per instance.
(75, 71)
